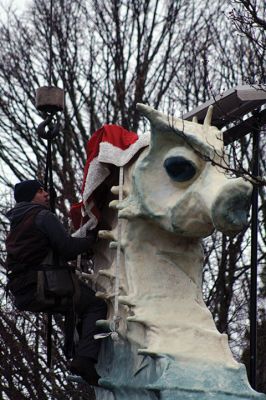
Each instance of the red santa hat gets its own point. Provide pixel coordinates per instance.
(110, 144)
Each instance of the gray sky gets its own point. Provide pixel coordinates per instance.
(15, 4)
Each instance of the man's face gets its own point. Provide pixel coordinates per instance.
(41, 197)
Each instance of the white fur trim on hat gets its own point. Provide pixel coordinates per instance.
(111, 154)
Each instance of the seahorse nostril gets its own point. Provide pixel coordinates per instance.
(230, 211)
(240, 217)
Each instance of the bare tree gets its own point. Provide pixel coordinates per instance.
(248, 17)
(107, 57)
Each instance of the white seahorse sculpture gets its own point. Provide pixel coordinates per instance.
(168, 346)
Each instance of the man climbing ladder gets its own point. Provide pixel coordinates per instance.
(34, 232)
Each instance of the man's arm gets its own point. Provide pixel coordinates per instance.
(67, 246)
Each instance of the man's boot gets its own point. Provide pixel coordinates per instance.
(85, 367)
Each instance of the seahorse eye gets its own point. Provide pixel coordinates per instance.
(179, 168)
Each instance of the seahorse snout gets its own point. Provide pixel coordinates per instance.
(230, 209)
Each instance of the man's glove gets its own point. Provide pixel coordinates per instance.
(92, 235)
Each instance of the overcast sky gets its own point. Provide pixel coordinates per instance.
(15, 4)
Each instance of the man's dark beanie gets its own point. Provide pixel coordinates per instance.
(26, 190)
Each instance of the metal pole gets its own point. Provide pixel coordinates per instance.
(254, 260)
(48, 177)
(50, 44)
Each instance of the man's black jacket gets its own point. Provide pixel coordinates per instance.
(34, 230)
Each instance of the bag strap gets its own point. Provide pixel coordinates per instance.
(69, 331)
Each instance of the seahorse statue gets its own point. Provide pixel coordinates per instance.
(167, 346)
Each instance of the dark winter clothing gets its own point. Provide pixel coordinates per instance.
(34, 231)
(26, 190)
(26, 245)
